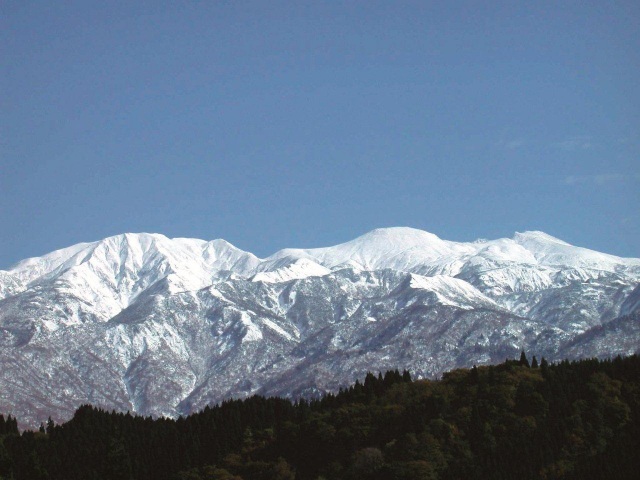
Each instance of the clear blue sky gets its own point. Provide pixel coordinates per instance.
(303, 124)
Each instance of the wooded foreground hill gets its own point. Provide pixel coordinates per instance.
(572, 420)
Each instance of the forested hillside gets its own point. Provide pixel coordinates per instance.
(573, 420)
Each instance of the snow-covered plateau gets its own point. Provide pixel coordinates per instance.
(163, 327)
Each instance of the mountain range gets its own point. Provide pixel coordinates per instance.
(164, 327)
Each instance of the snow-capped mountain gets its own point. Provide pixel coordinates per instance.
(163, 326)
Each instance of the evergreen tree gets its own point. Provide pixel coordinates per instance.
(50, 426)
(544, 367)
(523, 360)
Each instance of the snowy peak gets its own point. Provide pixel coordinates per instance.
(398, 248)
(397, 238)
(412, 250)
(536, 236)
(140, 255)
(387, 246)
(124, 266)
(551, 251)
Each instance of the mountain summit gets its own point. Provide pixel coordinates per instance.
(163, 326)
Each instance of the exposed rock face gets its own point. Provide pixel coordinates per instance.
(164, 326)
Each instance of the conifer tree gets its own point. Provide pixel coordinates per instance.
(544, 367)
(523, 360)
(50, 426)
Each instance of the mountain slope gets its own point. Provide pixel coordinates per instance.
(165, 326)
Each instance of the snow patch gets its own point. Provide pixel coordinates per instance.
(253, 332)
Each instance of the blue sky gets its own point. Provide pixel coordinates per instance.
(303, 124)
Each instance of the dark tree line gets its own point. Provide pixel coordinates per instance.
(520, 419)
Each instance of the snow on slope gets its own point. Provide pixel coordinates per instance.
(163, 326)
(551, 251)
(300, 268)
(114, 271)
(131, 262)
(452, 292)
(31, 268)
(108, 275)
(412, 250)
(632, 303)
(396, 248)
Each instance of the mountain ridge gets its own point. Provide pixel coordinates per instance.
(390, 235)
(164, 326)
